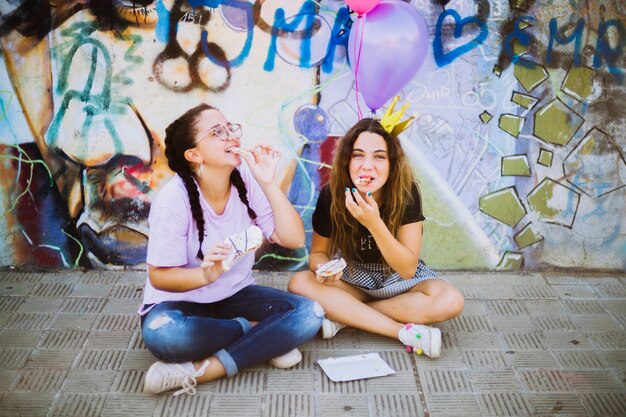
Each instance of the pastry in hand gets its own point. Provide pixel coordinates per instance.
(331, 268)
(242, 243)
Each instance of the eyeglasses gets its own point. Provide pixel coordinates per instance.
(223, 132)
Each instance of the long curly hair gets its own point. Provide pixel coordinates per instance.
(180, 135)
(396, 192)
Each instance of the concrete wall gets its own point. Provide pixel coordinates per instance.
(518, 145)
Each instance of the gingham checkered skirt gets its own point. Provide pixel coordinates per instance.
(369, 278)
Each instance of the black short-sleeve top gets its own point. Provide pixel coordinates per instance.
(367, 249)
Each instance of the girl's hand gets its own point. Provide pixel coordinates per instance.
(364, 210)
(326, 279)
(212, 265)
(262, 162)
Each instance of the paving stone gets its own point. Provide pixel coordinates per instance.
(584, 307)
(20, 288)
(91, 290)
(343, 405)
(118, 405)
(40, 380)
(567, 340)
(7, 379)
(10, 304)
(449, 359)
(129, 381)
(396, 405)
(544, 307)
(469, 323)
(88, 381)
(26, 404)
(100, 359)
(616, 290)
(64, 339)
(84, 405)
(41, 305)
(485, 359)
(595, 322)
(513, 323)
(400, 382)
(523, 341)
(530, 292)
(445, 405)
(581, 359)
(183, 406)
(575, 292)
(30, 321)
(109, 340)
(614, 358)
(78, 321)
(593, 381)
(493, 381)
(543, 380)
(53, 290)
(476, 340)
(51, 358)
(605, 404)
(232, 405)
(506, 307)
(116, 322)
(13, 358)
(302, 381)
(505, 404)
(557, 404)
(608, 340)
(559, 323)
(83, 305)
(252, 382)
(445, 381)
(18, 338)
(532, 359)
(121, 306)
(288, 404)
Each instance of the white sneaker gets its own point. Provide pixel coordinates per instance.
(242, 243)
(167, 376)
(289, 359)
(331, 328)
(421, 339)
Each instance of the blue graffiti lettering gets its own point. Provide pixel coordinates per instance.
(245, 51)
(442, 58)
(307, 12)
(576, 35)
(520, 35)
(603, 48)
(339, 36)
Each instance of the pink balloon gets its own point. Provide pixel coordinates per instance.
(362, 6)
(392, 50)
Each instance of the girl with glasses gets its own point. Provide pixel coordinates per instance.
(204, 319)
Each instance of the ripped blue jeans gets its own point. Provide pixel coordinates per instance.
(180, 331)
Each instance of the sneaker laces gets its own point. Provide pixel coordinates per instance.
(188, 381)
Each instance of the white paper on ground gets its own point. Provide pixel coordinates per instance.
(349, 368)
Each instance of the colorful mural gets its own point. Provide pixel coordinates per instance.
(518, 144)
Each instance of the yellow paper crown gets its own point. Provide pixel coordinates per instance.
(391, 120)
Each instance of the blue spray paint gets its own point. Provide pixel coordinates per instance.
(442, 58)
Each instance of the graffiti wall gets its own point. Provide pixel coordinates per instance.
(518, 143)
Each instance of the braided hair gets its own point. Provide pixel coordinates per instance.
(180, 136)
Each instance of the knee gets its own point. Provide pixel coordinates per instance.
(309, 315)
(300, 283)
(453, 302)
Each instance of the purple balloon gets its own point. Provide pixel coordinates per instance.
(394, 45)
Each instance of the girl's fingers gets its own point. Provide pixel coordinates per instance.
(207, 264)
(357, 196)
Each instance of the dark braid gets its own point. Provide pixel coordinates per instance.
(180, 136)
(235, 178)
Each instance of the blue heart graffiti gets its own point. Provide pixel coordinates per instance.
(442, 58)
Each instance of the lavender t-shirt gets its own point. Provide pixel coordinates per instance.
(173, 238)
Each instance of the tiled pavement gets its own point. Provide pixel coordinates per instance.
(525, 345)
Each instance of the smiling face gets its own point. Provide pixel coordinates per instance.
(369, 163)
(216, 150)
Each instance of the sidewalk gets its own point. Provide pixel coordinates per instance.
(525, 345)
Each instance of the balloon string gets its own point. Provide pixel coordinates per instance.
(359, 28)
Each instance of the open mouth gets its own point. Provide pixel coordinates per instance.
(364, 180)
